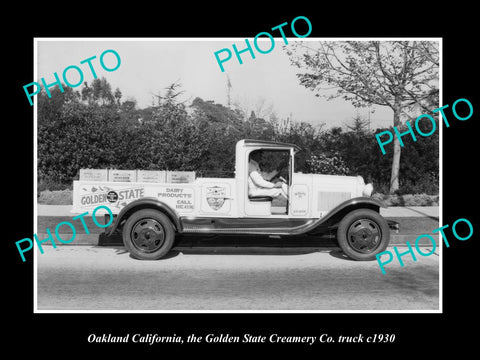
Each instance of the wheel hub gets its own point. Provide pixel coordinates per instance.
(147, 235)
(364, 235)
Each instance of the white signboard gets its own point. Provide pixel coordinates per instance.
(115, 175)
(151, 176)
(178, 177)
(93, 175)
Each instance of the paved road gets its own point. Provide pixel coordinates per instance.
(107, 278)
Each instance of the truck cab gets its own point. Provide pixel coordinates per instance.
(149, 215)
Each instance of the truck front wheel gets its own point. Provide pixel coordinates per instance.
(362, 234)
(148, 234)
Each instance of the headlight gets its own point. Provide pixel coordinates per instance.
(360, 180)
(367, 190)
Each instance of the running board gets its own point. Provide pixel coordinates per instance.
(258, 226)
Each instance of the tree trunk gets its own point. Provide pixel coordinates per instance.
(394, 178)
(394, 183)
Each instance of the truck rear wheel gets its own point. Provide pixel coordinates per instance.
(362, 234)
(148, 234)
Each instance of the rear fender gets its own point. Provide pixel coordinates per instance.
(144, 203)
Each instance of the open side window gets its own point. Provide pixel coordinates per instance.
(271, 166)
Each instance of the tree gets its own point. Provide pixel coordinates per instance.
(79, 136)
(304, 135)
(359, 126)
(221, 128)
(167, 138)
(402, 75)
(100, 92)
(50, 107)
(260, 107)
(258, 128)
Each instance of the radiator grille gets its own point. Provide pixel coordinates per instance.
(328, 200)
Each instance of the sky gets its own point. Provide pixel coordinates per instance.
(148, 66)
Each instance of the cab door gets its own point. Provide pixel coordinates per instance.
(299, 191)
(299, 200)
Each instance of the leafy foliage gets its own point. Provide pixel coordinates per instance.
(327, 165)
(102, 131)
(402, 75)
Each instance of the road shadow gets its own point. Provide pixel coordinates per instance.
(242, 245)
(121, 250)
(235, 250)
(339, 254)
(247, 245)
(253, 244)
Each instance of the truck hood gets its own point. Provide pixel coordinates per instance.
(355, 185)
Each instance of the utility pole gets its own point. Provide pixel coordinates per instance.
(229, 86)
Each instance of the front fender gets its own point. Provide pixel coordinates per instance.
(355, 203)
(336, 214)
(145, 203)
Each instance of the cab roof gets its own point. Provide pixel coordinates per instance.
(266, 143)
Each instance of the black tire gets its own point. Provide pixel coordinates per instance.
(148, 234)
(362, 234)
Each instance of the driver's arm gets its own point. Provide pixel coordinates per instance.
(269, 176)
(260, 181)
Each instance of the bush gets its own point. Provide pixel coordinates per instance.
(326, 165)
(408, 199)
(425, 184)
(59, 197)
(48, 184)
(91, 130)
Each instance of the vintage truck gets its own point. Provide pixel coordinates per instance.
(149, 215)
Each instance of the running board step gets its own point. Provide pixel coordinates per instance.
(266, 226)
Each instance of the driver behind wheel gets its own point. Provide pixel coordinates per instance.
(258, 181)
